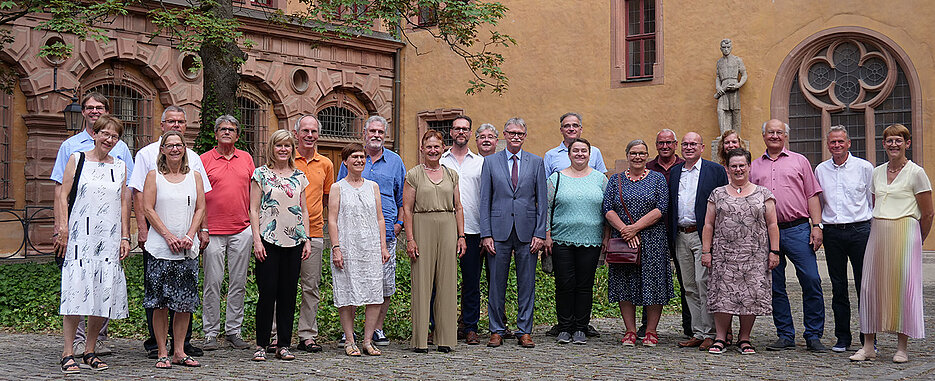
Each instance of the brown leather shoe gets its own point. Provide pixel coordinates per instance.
(495, 340)
(707, 343)
(526, 341)
(691, 343)
(470, 338)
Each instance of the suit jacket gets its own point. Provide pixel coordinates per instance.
(502, 208)
(712, 176)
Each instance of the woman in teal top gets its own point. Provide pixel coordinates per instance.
(576, 232)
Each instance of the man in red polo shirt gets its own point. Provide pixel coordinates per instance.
(227, 231)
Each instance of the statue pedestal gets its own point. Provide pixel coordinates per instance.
(715, 155)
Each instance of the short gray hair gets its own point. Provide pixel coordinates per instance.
(295, 128)
(763, 128)
(485, 127)
(172, 108)
(574, 114)
(635, 143)
(226, 119)
(661, 131)
(840, 128)
(515, 121)
(376, 118)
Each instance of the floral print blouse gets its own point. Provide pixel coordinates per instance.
(281, 221)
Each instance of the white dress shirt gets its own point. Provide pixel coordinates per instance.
(847, 195)
(469, 185)
(688, 189)
(146, 161)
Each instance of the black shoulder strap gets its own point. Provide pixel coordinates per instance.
(558, 179)
(74, 185)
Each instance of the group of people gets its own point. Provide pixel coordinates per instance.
(730, 228)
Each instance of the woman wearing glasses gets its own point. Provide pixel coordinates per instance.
(634, 203)
(174, 204)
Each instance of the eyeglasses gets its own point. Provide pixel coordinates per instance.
(690, 144)
(227, 130)
(108, 135)
(174, 146)
(666, 143)
(639, 154)
(515, 134)
(461, 129)
(173, 121)
(894, 141)
(571, 125)
(92, 108)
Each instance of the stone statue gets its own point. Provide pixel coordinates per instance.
(731, 75)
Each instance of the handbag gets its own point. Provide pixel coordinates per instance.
(618, 250)
(547, 266)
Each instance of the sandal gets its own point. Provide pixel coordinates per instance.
(629, 339)
(69, 365)
(164, 361)
(271, 348)
(718, 347)
(312, 346)
(92, 361)
(351, 350)
(259, 355)
(745, 348)
(187, 361)
(651, 339)
(283, 354)
(370, 350)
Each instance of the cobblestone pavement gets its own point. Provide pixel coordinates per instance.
(30, 356)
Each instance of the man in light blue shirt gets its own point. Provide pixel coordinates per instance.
(92, 107)
(556, 159)
(385, 168)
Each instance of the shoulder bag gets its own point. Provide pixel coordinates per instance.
(547, 266)
(618, 250)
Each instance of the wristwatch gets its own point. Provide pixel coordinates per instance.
(819, 225)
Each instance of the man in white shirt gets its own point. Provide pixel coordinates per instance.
(468, 166)
(846, 210)
(173, 118)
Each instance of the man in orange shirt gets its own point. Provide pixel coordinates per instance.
(320, 173)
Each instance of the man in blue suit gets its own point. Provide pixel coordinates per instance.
(512, 218)
(690, 184)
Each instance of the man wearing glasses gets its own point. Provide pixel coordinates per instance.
(512, 222)
(92, 107)
(173, 118)
(229, 238)
(556, 159)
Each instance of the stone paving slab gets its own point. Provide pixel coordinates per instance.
(35, 357)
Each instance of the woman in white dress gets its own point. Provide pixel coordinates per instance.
(357, 266)
(95, 239)
(174, 203)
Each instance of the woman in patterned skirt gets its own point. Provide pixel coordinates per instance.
(94, 241)
(740, 243)
(891, 291)
(648, 283)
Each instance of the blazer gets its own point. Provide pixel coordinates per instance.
(712, 176)
(502, 209)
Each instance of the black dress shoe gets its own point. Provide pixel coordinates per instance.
(554, 331)
(192, 350)
(153, 354)
(815, 345)
(420, 350)
(444, 349)
(592, 332)
(641, 332)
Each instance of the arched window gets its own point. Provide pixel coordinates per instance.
(133, 108)
(254, 121)
(340, 122)
(858, 80)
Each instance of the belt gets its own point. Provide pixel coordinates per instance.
(847, 225)
(688, 229)
(786, 225)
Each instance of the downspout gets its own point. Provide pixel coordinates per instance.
(396, 99)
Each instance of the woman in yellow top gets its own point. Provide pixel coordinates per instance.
(434, 224)
(891, 293)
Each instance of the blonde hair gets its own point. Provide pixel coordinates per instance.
(278, 137)
(162, 164)
(897, 130)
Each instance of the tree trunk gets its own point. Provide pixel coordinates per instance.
(221, 64)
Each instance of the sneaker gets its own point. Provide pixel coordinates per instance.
(235, 341)
(211, 343)
(563, 338)
(781, 344)
(101, 348)
(641, 332)
(840, 346)
(579, 337)
(379, 338)
(344, 338)
(815, 345)
(78, 348)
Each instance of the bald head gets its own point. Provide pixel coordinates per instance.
(692, 147)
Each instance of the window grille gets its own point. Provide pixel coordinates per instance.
(640, 38)
(339, 122)
(254, 123)
(443, 126)
(135, 110)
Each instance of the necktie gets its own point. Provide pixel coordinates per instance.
(514, 174)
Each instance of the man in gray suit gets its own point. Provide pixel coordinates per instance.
(512, 211)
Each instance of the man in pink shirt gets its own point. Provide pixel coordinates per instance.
(789, 176)
(227, 231)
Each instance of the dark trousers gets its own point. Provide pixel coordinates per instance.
(277, 279)
(471, 264)
(844, 242)
(150, 343)
(574, 269)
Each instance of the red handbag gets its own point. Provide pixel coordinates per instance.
(618, 250)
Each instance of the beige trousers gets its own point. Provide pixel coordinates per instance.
(436, 235)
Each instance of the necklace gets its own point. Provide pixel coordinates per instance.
(432, 169)
(738, 189)
(890, 170)
(642, 175)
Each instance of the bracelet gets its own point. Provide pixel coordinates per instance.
(335, 247)
(461, 236)
(705, 252)
(55, 234)
(774, 252)
(189, 238)
(125, 239)
(204, 230)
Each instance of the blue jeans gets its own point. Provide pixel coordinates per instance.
(842, 243)
(794, 246)
(525, 284)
